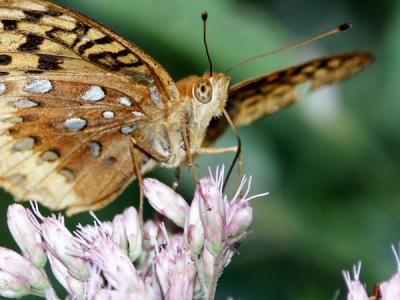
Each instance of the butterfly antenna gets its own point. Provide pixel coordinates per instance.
(239, 147)
(337, 29)
(204, 17)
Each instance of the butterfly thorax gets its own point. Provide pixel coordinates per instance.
(201, 99)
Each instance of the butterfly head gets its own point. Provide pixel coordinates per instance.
(211, 91)
(210, 94)
(205, 97)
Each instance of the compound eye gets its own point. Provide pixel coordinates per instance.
(202, 91)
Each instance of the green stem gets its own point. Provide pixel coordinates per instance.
(200, 274)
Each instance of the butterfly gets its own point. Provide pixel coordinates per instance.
(84, 111)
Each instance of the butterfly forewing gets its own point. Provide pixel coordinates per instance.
(85, 37)
(73, 94)
(259, 97)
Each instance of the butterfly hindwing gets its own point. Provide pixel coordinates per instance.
(55, 148)
(259, 97)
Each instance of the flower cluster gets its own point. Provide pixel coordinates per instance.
(388, 290)
(122, 259)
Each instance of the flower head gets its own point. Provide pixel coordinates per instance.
(121, 260)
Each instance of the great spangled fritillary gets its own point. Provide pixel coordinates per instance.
(76, 98)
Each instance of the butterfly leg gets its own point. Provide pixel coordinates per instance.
(139, 179)
(212, 150)
(186, 141)
(233, 149)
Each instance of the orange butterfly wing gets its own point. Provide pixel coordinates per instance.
(73, 93)
(261, 96)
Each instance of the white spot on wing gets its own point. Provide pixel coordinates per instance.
(75, 124)
(38, 86)
(24, 144)
(16, 178)
(95, 149)
(95, 93)
(126, 130)
(13, 120)
(108, 115)
(50, 156)
(25, 103)
(2, 87)
(155, 96)
(109, 161)
(125, 101)
(137, 114)
(68, 174)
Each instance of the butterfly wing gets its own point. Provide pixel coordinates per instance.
(73, 94)
(253, 99)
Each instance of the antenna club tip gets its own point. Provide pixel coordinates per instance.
(345, 26)
(204, 15)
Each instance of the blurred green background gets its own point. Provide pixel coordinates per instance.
(331, 163)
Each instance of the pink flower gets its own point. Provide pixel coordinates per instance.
(391, 288)
(213, 227)
(62, 244)
(102, 251)
(175, 269)
(356, 289)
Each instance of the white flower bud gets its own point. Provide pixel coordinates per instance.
(194, 232)
(71, 284)
(119, 234)
(113, 262)
(59, 241)
(175, 269)
(25, 234)
(240, 221)
(166, 201)
(182, 277)
(212, 208)
(19, 277)
(133, 233)
(12, 286)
